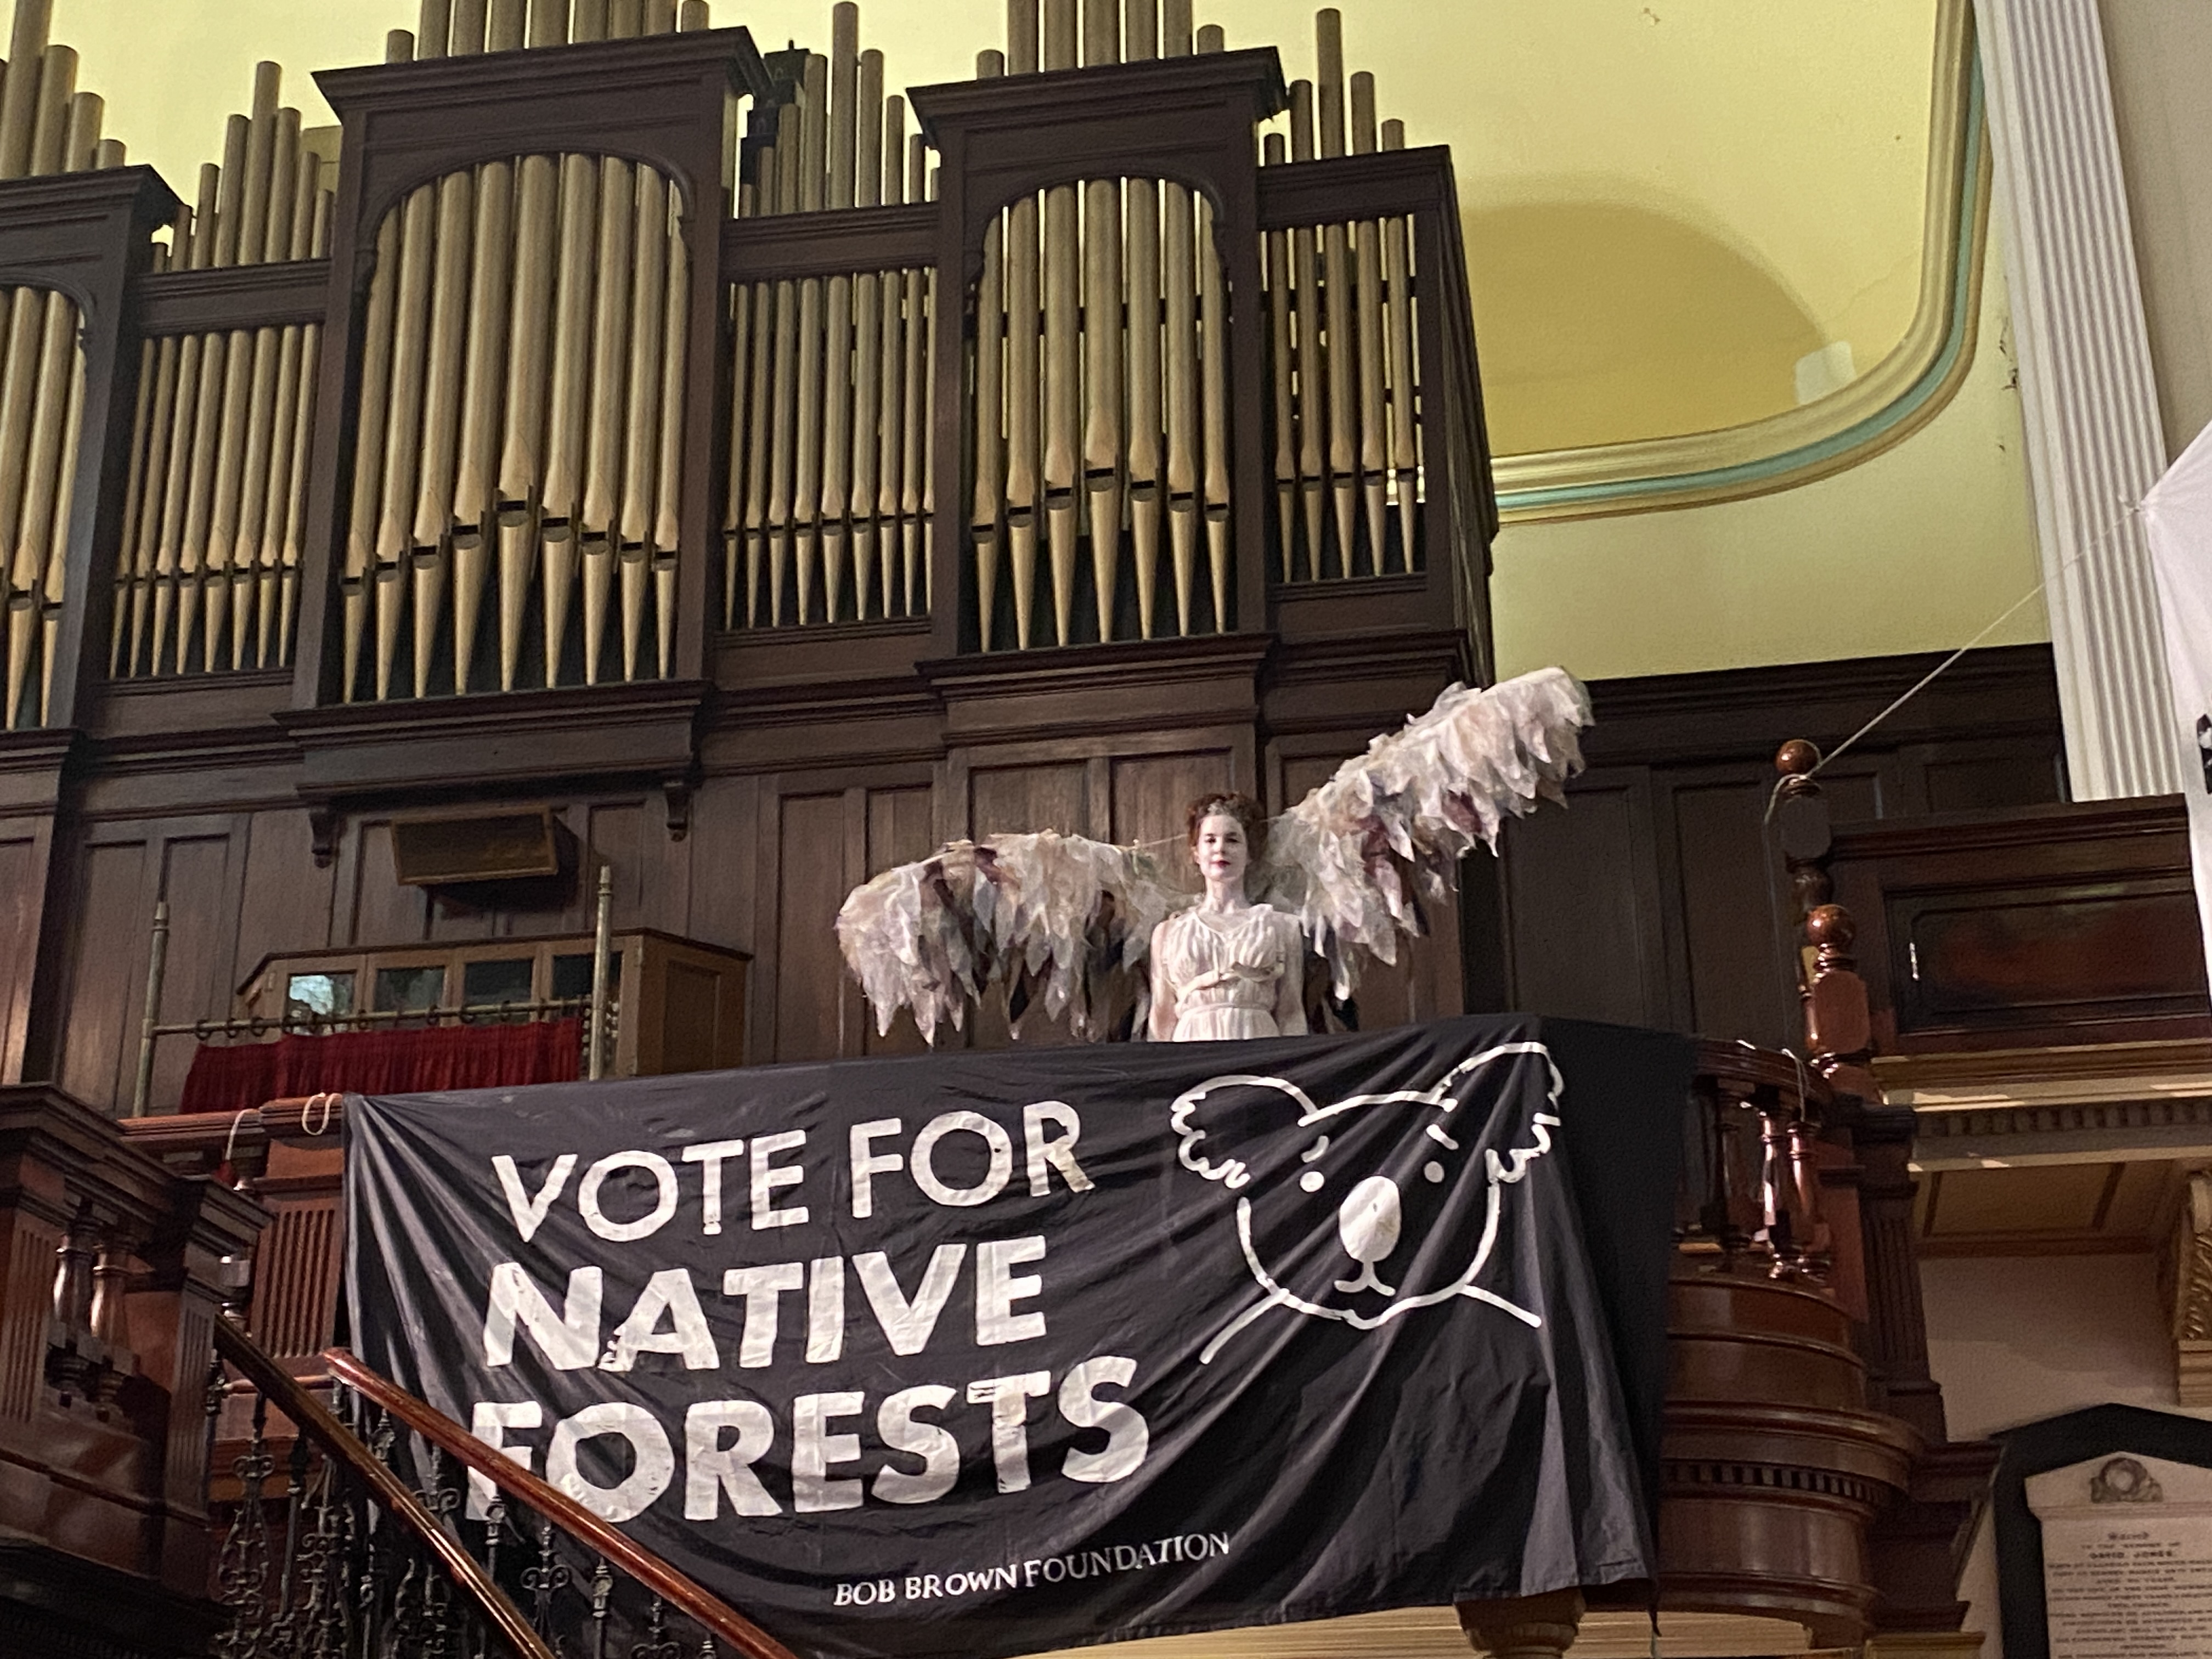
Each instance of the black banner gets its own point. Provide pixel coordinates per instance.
(988, 1354)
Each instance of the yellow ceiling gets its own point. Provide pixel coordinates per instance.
(1667, 202)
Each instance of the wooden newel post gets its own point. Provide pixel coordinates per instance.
(1838, 1030)
(1524, 1627)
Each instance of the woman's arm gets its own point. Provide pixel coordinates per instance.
(1291, 988)
(1163, 1022)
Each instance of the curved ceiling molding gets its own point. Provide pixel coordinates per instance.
(1880, 408)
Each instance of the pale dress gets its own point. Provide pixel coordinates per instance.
(1225, 970)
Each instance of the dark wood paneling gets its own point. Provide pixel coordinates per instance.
(107, 980)
(1582, 891)
(199, 880)
(810, 886)
(284, 903)
(1722, 853)
(1005, 800)
(1654, 898)
(1152, 795)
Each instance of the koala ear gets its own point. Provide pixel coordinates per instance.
(1223, 1121)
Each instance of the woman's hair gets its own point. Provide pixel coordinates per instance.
(1228, 803)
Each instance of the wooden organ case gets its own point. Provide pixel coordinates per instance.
(776, 505)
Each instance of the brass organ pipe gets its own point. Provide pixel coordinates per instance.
(1146, 503)
(1024, 385)
(1021, 37)
(27, 47)
(930, 428)
(1397, 275)
(589, 22)
(430, 527)
(148, 594)
(433, 29)
(1179, 315)
(990, 403)
(468, 28)
(759, 414)
(504, 27)
(34, 384)
(1104, 441)
(667, 517)
(303, 424)
(1102, 32)
(276, 353)
(568, 392)
(1142, 24)
(1313, 367)
(177, 487)
(522, 455)
(1213, 382)
(741, 334)
(641, 422)
(625, 19)
(1063, 381)
(548, 22)
(783, 408)
(806, 488)
(487, 382)
(128, 577)
(837, 385)
(1181, 309)
(404, 423)
(1374, 452)
(867, 342)
(1175, 28)
(916, 488)
(1277, 154)
(56, 587)
(242, 373)
(611, 323)
(1336, 276)
(218, 432)
(357, 589)
(891, 382)
(692, 15)
(152, 596)
(294, 386)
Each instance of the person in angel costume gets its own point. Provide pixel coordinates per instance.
(1102, 936)
(1227, 966)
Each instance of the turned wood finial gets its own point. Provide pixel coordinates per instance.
(1796, 758)
(1830, 928)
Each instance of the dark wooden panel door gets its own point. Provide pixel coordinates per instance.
(1740, 983)
(1582, 891)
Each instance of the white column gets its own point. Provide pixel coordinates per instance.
(2087, 398)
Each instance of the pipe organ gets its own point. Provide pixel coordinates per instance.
(526, 441)
(207, 564)
(749, 448)
(46, 126)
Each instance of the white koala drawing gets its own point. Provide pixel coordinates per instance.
(1385, 1164)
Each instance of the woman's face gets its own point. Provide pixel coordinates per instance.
(1220, 850)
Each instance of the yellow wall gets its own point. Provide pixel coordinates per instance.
(1915, 549)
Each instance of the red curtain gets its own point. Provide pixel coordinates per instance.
(230, 1078)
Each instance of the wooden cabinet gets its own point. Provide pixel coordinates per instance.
(676, 1005)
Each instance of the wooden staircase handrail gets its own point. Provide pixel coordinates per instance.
(678, 1591)
(339, 1444)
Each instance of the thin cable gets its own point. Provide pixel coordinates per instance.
(1774, 796)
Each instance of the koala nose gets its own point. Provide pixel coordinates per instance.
(1369, 1221)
